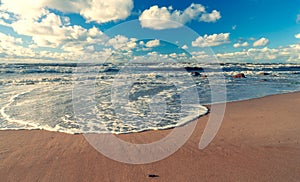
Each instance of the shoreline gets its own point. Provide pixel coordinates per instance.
(258, 140)
(208, 106)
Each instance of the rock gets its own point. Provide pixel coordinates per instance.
(153, 175)
(194, 68)
(240, 75)
(195, 73)
(264, 74)
(111, 70)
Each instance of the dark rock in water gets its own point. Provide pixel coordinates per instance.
(264, 74)
(153, 175)
(240, 75)
(30, 83)
(194, 68)
(195, 73)
(111, 70)
(158, 76)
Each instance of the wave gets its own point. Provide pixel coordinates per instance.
(69, 124)
(110, 67)
(48, 85)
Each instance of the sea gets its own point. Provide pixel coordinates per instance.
(109, 98)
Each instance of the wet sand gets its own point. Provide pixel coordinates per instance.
(259, 140)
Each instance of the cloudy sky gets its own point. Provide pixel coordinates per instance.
(235, 30)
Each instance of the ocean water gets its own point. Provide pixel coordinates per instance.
(108, 98)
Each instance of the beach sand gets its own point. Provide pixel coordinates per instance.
(259, 140)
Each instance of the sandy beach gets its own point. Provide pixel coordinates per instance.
(259, 140)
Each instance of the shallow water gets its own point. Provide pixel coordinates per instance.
(107, 98)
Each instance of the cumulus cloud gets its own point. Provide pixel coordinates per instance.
(50, 31)
(4, 38)
(284, 54)
(243, 44)
(46, 28)
(163, 18)
(288, 53)
(4, 15)
(29, 9)
(261, 42)
(263, 54)
(297, 36)
(100, 11)
(153, 43)
(13, 47)
(211, 40)
(211, 17)
(117, 41)
(234, 56)
(184, 47)
(120, 41)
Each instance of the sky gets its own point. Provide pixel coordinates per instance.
(231, 30)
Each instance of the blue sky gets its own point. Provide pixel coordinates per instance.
(236, 30)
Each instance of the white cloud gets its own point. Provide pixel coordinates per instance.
(122, 42)
(190, 13)
(131, 44)
(297, 36)
(211, 40)
(263, 54)
(29, 9)
(201, 56)
(118, 41)
(13, 47)
(4, 38)
(184, 47)
(51, 31)
(47, 29)
(4, 15)
(282, 54)
(211, 17)
(261, 42)
(234, 56)
(164, 18)
(243, 44)
(100, 11)
(173, 55)
(153, 43)
(292, 52)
